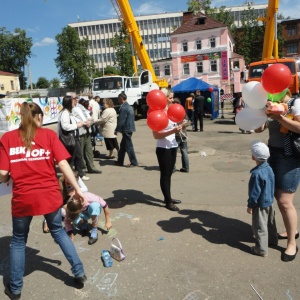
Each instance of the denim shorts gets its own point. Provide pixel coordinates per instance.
(286, 170)
(94, 209)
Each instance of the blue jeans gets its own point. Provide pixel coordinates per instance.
(182, 145)
(127, 146)
(18, 244)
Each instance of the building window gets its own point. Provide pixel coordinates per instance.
(2, 87)
(292, 48)
(167, 70)
(292, 29)
(199, 67)
(12, 85)
(213, 66)
(212, 42)
(184, 46)
(198, 45)
(156, 70)
(186, 69)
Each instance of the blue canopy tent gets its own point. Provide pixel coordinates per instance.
(184, 88)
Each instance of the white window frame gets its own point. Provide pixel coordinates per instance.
(198, 66)
(185, 47)
(168, 69)
(156, 70)
(186, 69)
(212, 42)
(213, 65)
(198, 42)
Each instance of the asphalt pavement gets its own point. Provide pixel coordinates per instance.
(201, 252)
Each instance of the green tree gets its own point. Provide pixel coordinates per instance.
(15, 51)
(73, 61)
(42, 83)
(123, 60)
(111, 70)
(54, 83)
(197, 6)
(249, 38)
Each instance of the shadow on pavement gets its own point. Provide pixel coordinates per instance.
(122, 198)
(33, 262)
(213, 227)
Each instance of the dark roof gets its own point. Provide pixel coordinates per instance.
(7, 73)
(199, 22)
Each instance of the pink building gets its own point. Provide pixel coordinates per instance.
(203, 48)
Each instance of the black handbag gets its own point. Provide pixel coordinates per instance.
(295, 139)
(68, 139)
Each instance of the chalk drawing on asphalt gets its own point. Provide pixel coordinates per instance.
(196, 295)
(81, 294)
(107, 284)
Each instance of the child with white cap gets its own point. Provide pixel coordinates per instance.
(260, 201)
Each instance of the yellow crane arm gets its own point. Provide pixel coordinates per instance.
(128, 17)
(270, 48)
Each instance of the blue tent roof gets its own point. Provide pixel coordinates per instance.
(191, 85)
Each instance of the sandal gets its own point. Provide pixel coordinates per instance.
(45, 227)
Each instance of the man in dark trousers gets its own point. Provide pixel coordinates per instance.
(198, 111)
(126, 126)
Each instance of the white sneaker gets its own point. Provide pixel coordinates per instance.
(85, 178)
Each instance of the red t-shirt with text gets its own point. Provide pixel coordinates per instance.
(35, 186)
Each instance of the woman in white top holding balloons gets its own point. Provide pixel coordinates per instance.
(164, 130)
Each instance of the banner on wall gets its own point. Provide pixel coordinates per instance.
(200, 57)
(10, 110)
(224, 65)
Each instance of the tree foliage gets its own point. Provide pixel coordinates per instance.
(249, 38)
(122, 48)
(15, 51)
(42, 83)
(73, 61)
(111, 70)
(55, 83)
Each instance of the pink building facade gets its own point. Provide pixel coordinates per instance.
(203, 48)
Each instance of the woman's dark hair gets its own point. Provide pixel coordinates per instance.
(67, 103)
(28, 126)
(84, 103)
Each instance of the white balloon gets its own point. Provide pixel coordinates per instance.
(255, 95)
(154, 86)
(250, 118)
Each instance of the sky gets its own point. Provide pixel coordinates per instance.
(44, 19)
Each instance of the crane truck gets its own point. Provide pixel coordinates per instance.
(270, 51)
(136, 87)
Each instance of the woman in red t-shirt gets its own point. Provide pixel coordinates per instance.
(27, 156)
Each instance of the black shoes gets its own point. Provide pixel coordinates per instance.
(286, 257)
(172, 208)
(79, 281)
(184, 170)
(176, 201)
(280, 237)
(95, 172)
(92, 240)
(10, 295)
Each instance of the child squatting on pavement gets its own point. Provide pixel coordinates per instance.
(260, 201)
(78, 213)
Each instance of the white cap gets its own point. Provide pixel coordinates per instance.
(260, 151)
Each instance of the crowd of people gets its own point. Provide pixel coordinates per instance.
(276, 174)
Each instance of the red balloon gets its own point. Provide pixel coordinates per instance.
(276, 78)
(149, 111)
(210, 89)
(176, 113)
(156, 99)
(157, 120)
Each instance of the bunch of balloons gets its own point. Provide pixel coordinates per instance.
(274, 83)
(157, 118)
